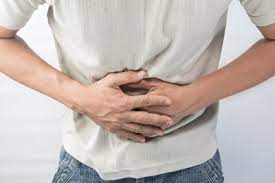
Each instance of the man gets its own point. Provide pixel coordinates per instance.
(142, 81)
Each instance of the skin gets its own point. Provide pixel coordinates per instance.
(182, 97)
(108, 106)
(253, 67)
(163, 103)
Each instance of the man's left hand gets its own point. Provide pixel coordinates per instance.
(186, 99)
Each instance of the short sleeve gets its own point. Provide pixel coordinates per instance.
(261, 12)
(14, 14)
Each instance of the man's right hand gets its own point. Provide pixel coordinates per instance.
(103, 101)
(106, 104)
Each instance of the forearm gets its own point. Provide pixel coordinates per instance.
(20, 63)
(250, 69)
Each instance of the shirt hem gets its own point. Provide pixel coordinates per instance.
(74, 150)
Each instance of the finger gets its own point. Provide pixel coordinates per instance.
(131, 136)
(141, 84)
(143, 129)
(155, 109)
(117, 79)
(138, 101)
(145, 118)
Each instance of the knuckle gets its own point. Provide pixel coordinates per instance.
(118, 118)
(160, 99)
(114, 106)
(120, 104)
(131, 103)
(153, 117)
(147, 117)
(126, 103)
(124, 117)
(146, 100)
(138, 117)
(117, 107)
(133, 117)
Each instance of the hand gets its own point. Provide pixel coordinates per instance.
(105, 103)
(185, 99)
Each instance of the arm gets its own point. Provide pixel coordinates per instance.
(102, 101)
(20, 63)
(251, 68)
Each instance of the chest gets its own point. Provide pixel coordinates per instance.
(118, 15)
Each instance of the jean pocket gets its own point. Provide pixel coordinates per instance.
(67, 167)
(212, 169)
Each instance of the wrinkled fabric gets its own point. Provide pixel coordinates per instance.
(177, 41)
(70, 170)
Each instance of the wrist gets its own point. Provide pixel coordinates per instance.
(70, 92)
(203, 92)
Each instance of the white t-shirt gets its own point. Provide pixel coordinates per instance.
(174, 40)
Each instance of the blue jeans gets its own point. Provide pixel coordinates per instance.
(71, 170)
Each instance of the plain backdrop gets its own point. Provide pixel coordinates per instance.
(30, 125)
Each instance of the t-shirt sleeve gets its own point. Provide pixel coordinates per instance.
(14, 14)
(261, 12)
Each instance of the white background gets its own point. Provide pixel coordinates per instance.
(30, 125)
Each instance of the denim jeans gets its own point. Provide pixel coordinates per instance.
(71, 170)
